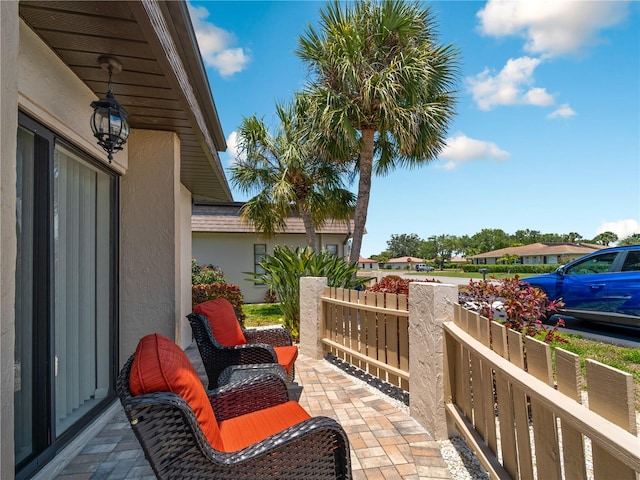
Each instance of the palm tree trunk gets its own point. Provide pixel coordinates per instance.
(364, 191)
(309, 229)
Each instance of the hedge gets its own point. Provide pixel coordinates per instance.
(517, 268)
(203, 293)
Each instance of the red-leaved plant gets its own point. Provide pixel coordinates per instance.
(396, 284)
(519, 305)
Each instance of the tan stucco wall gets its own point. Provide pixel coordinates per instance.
(155, 208)
(183, 329)
(149, 226)
(51, 92)
(9, 35)
(233, 253)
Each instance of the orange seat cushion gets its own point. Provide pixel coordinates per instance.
(240, 432)
(287, 356)
(159, 365)
(222, 319)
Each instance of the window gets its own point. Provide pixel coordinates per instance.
(632, 262)
(332, 249)
(65, 292)
(597, 264)
(259, 252)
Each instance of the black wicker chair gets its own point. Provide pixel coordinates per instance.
(176, 447)
(262, 347)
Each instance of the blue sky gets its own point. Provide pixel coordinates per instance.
(547, 131)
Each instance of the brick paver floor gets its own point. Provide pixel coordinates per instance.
(386, 443)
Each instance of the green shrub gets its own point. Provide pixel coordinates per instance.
(282, 272)
(517, 268)
(205, 274)
(203, 293)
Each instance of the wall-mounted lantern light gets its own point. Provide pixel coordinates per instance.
(109, 119)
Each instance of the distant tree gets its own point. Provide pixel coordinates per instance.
(509, 259)
(572, 237)
(489, 239)
(382, 257)
(525, 237)
(631, 240)
(445, 246)
(551, 238)
(605, 238)
(466, 247)
(404, 245)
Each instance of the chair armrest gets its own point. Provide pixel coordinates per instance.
(237, 373)
(318, 445)
(277, 337)
(248, 396)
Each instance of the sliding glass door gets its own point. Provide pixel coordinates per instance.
(65, 292)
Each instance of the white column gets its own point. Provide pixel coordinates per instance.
(311, 289)
(430, 304)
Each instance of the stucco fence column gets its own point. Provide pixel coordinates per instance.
(311, 289)
(430, 304)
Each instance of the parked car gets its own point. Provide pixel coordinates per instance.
(423, 267)
(603, 286)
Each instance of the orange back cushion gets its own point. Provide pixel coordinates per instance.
(222, 319)
(159, 365)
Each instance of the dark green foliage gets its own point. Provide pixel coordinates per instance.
(533, 268)
(205, 274)
(284, 268)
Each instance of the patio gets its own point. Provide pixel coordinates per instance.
(386, 443)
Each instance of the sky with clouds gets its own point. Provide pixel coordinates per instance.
(547, 131)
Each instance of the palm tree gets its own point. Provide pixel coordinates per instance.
(288, 177)
(605, 238)
(381, 89)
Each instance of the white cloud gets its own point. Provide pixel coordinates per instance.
(512, 86)
(551, 28)
(461, 148)
(563, 111)
(233, 148)
(216, 44)
(622, 228)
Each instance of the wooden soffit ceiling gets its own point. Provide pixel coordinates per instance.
(163, 84)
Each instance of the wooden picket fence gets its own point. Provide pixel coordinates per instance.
(497, 405)
(521, 413)
(370, 331)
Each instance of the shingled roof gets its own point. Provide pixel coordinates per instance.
(225, 218)
(543, 249)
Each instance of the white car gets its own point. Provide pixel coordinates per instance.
(423, 267)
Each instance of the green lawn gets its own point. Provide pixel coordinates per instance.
(622, 358)
(461, 274)
(262, 314)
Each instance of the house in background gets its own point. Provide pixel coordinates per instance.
(404, 263)
(538, 253)
(368, 264)
(220, 237)
(94, 254)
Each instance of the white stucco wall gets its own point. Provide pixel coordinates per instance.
(233, 253)
(149, 250)
(9, 39)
